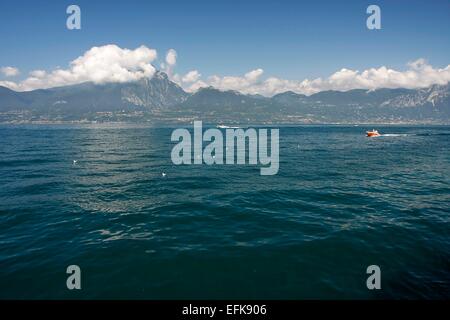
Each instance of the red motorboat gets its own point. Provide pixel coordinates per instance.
(373, 133)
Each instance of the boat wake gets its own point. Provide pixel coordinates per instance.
(396, 135)
(221, 126)
(413, 134)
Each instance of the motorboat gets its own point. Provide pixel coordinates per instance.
(373, 133)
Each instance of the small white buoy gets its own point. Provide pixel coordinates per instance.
(74, 162)
(163, 174)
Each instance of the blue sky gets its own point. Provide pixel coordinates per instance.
(288, 39)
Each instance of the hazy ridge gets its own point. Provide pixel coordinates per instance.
(160, 100)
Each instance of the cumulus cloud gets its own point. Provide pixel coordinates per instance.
(171, 57)
(108, 63)
(9, 71)
(253, 75)
(196, 86)
(169, 65)
(419, 74)
(38, 74)
(249, 83)
(111, 63)
(191, 76)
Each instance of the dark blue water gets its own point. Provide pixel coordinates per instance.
(340, 203)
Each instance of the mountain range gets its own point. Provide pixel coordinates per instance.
(158, 99)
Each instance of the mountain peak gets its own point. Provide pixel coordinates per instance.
(211, 89)
(289, 94)
(161, 75)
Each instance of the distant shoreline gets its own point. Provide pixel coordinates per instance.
(210, 124)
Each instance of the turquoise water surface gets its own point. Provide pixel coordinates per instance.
(339, 203)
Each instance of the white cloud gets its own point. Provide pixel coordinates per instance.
(254, 75)
(169, 65)
(171, 57)
(9, 71)
(419, 74)
(38, 74)
(196, 85)
(191, 76)
(9, 84)
(111, 63)
(108, 63)
(246, 84)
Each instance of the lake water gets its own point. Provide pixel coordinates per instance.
(339, 203)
